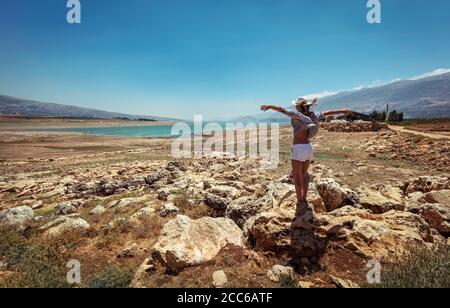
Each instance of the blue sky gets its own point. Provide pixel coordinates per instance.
(212, 57)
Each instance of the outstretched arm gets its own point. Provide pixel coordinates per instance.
(274, 108)
(293, 115)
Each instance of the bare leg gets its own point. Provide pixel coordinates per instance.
(298, 179)
(305, 177)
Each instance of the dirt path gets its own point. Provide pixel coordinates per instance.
(402, 129)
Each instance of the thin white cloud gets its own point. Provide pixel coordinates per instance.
(439, 71)
(321, 94)
(379, 83)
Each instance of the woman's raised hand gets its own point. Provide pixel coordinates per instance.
(265, 107)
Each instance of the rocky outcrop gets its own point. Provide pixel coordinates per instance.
(218, 204)
(426, 184)
(343, 126)
(219, 279)
(381, 198)
(185, 242)
(240, 210)
(438, 217)
(65, 224)
(334, 195)
(16, 217)
(434, 207)
(279, 272)
(270, 231)
(69, 207)
(388, 235)
(167, 209)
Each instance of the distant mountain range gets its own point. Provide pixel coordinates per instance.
(422, 98)
(16, 106)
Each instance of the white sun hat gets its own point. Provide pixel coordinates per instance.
(301, 101)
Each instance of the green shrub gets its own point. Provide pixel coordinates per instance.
(422, 268)
(39, 264)
(288, 282)
(112, 277)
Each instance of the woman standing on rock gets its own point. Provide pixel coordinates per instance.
(306, 126)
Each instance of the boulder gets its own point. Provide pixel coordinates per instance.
(381, 198)
(58, 191)
(167, 193)
(185, 242)
(167, 209)
(98, 210)
(438, 217)
(126, 203)
(68, 207)
(278, 193)
(218, 204)
(344, 283)
(65, 224)
(225, 191)
(279, 272)
(440, 196)
(375, 236)
(129, 251)
(16, 217)
(240, 210)
(144, 212)
(37, 205)
(270, 231)
(426, 184)
(156, 177)
(334, 195)
(219, 279)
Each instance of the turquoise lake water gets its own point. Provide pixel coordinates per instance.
(130, 131)
(133, 131)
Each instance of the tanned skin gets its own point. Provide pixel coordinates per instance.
(299, 168)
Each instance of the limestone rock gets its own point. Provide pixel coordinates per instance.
(64, 224)
(37, 205)
(98, 210)
(240, 210)
(68, 207)
(388, 235)
(381, 198)
(334, 195)
(219, 279)
(184, 242)
(144, 212)
(129, 251)
(278, 272)
(225, 191)
(427, 183)
(344, 283)
(270, 231)
(440, 196)
(438, 217)
(126, 203)
(167, 209)
(16, 217)
(216, 203)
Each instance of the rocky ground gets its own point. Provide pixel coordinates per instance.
(225, 222)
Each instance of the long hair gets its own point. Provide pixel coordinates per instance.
(305, 109)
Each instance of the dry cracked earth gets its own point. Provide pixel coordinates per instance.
(133, 216)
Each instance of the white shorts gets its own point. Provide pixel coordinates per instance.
(302, 152)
